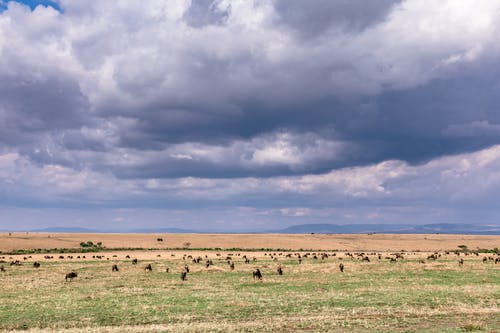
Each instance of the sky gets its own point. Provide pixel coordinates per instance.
(248, 115)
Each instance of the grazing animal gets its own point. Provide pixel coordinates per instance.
(186, 268)
(257, 274)
(2, 269)
(148, 268)
(167, 270)
(36, 264)
(280, 270)
(461, 261)
(114, 268)
(365, 258)
(71, 276)
(134, 261)
(183, 275)
(231, 265)
(341, 267)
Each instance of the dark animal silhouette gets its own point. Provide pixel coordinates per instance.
(36, 264)
(114, 268)
(70, 276)
(341, 267)
(231, 265)
(257, 274)
(461, 261)
(134, 261)
(167, 270)
(148, 268)
(183, 275)
(280, 270)
(2, 269)
(186, 268)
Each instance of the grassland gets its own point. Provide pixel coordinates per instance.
(313, 296)
(366, 242)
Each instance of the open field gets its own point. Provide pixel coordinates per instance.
(362, 242)
(409, 294)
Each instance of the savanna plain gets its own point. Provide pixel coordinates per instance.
(389, 283)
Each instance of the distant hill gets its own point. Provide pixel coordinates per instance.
(126, 231)
(66, 230)
(441, 228)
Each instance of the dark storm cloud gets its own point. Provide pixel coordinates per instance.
(317, 16)
(226, 89)
(204, 12)
(30, 107)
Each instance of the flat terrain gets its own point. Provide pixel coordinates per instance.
(410, 293)
(374, 242)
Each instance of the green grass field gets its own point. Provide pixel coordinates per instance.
(376, 296)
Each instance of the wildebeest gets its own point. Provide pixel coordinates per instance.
(36, 264)
(71, 276)
(2, 269)
(186, 268)
(167, 270)
(341, 267)
(134, 261)
(461, 261)
(231, 265)
(257, 274)
(114, 268)
(183, 275)
(148, 268)
(280, 270)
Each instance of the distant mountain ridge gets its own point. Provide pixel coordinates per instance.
(133, 231)
(440, 228)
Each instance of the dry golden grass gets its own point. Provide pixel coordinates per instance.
(375, 296)
(359, 242)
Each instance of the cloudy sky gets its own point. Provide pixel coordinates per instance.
(248, 114)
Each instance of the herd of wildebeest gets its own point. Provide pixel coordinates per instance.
(257, 273)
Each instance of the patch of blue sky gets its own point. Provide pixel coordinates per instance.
(31, 3)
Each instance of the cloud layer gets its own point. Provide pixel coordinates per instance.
(275, 106)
